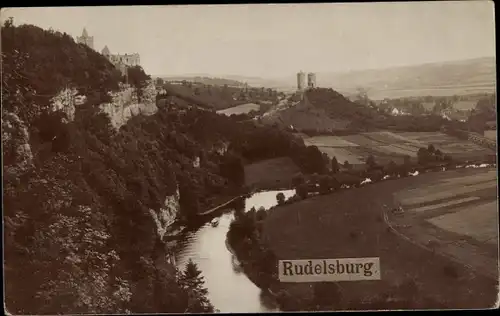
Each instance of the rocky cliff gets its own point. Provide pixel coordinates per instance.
(86, 204)
(125, 105)
(166, 215)
(16, 142)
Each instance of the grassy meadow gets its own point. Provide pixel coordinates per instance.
(271, 173)
(458, 213)
(240, 109)
(342, 225)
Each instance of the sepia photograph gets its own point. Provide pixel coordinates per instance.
(249, 158)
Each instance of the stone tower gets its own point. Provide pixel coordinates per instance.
(311, 80)
(86, 39)
(301, 81)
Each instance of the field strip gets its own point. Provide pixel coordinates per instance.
(434, 188)
(392, 149)
(409, 140)
(444, 204)
(447, 194)
(406, 146)
(341, 155)
(239, 109)
(330, 141)
(459, 147)
(422, 246)
(487, 176)
(492, 240)
(491, 134)
(479, 222)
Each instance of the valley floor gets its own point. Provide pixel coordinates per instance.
(351, 224)
(386, 146)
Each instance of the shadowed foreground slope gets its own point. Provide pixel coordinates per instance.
(350, 224)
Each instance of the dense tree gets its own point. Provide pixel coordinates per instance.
(438, 155)
(280, 198)
(325, 184)
(423, 156)
(192, 281)
(302, 191)
(370, 162)
(447, 158)
(391, 168)
(407, 160)
(232, 168)
(347, 165)
(431, 149)
(297, 180)
(335, 165)
(188, 200)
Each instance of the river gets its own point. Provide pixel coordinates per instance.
(229, 289)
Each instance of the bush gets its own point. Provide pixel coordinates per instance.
(302, 191)
(280, 197)
(297, 180)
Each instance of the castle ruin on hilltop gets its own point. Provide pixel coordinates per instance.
(121, 61)
(301, 81)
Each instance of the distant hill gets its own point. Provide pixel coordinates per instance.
(435, 79)
(221, 97)
(326, 111)
(207, 80)
(322, 109)
(461, 77)
(233, 80)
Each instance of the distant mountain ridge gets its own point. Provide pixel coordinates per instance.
(205, 79)
(472, 72)
(233, 80)
(439, 78)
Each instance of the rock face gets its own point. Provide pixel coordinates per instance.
(167, 214)
(220, 147)
(125, 104)
(196, 162)
(65, 101)
(15, 140)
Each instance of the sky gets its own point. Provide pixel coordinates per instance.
(273, 41)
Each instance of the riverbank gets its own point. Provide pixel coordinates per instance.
(246, 266)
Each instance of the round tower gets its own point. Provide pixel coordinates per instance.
(311, 80)
(301, 81)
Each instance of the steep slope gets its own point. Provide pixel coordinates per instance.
(85, 205)
(322, 110)
(325, 111)
(91, 190)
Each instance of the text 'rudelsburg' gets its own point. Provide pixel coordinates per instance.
(329, 270)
